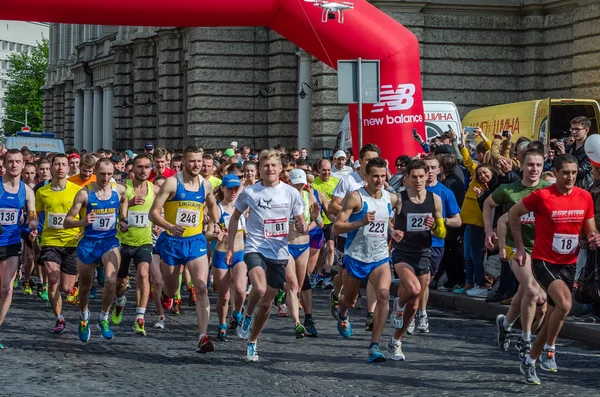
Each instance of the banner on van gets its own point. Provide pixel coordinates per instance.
(35, 144)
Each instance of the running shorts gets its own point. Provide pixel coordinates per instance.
(180, 250)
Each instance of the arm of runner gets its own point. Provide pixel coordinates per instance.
(514, 221)
(213, 210)
(396, 205)
(501, 233)
(334, 207)
(592, 233)
(438, 229)
(352, 203)
(123, 207)
(78, 208)
(489, 206)
(315, 213)
(325, 205)
(169, 187)
(233, 223)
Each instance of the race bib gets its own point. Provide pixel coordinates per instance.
(416, 222)
(104, 222)
(188, 218)
(56, 221)
(378, 228)
(565, 243)
(9, 216)
(137, 219)
(276, 227)
(528, 218)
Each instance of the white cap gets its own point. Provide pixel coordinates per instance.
(234, 144)
(356, 164)
(338, 154)
(298, 176)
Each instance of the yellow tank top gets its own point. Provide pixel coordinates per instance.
(140, 228)
(186, 208)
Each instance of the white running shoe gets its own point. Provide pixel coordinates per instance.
(160, 323)
(251, 353)
(395, 347)
(478, 292)
(397, 314)
(411, 328)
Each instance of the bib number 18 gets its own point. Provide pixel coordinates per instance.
(565, 244)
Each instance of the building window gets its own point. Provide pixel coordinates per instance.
(4, 43)
(12, 46)
(4, 64)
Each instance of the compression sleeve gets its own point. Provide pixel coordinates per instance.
(439, 229)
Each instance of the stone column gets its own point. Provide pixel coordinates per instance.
(88, 118)
(171, 90)
(78, 138)
(107, 118)
(69, 114)
(97, 115)
(144, 90)
(304, 104)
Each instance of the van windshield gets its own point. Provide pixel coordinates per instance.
(562, 114)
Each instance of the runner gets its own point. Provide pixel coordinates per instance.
(14, 196)
(184, 197)
(365, 216)
(326, 184)
(161, 162)
(74, 161)
(523, 304)
(561, 211)
(86, 171)
(136, 243)
(223, 274)
(58, 245)
(347, 185)
(271, 204)
(157, 279)
(28, 176)
(99, 206)
(418, 219)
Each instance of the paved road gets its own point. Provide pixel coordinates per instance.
(457, 358)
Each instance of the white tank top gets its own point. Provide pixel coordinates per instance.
(369, 243)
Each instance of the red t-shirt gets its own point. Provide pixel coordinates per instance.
(559, 219)
(166, 174)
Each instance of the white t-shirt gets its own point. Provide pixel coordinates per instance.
(348, 184)
(339, 174)
(268, 220)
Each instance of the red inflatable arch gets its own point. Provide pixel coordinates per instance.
(367, 33)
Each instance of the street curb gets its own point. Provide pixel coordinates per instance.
(580, 331)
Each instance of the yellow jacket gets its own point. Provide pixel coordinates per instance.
(470, 212)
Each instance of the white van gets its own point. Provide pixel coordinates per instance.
(439, 115)
(36, 142)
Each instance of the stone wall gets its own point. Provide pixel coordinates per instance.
(123, 94)
(69, 114)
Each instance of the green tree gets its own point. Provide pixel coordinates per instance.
(27, 76)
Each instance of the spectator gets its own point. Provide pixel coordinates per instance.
(580, 127)
(395, 184)
(340, 169)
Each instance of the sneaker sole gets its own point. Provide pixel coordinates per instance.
(249, 359)
(58, 332)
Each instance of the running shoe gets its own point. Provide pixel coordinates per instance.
(411, 328)
(369, 322)
(395, 347)
(319, 279)
(1, 346)
(478, 292)
(39, 289)
(460, 290)
(397, 314)
(299, 331)
(160, 323)
(523, 348)
(167, 303)
(243, 329)
(236, 318)
(344, 327)
(27, 289)
(93, 292)
(139, 326)
(251, 353)
(59, 328)
(503, 335)
(105, 331)
(311, 329)
(192, 296)
(531, 377)
(282, 310)
(312, 280)
(176, 309)
(84, 330)
(128, 285)
(327, 283)
(333, 305)
(117, 314)
(16, 282)
(222, 334)
(44, 294)
(548, 361)
(375, 355)
(446, 288)
(279, 297)
(205, 345)
(72, 297)
(422, 324)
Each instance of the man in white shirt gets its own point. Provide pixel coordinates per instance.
(340, 169)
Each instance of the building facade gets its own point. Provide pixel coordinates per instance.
(16, 36)
(118, 87)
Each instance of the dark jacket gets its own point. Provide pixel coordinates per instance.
(585, 180)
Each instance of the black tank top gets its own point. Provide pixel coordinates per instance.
(417, 237)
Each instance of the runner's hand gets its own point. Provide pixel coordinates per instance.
(229, 257)
(137, 200)
(594, 241)
(124, 226)
(397, 235)
(369, 217)
(520, 256)
(90, 218)
(502, 254)
(176, 230)
(33, 235)
(315, 210)
(429, 221)
(490, 235)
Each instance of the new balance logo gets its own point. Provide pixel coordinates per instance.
(397, 99)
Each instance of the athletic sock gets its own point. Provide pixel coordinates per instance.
(529, 360)
(85, 316)
(60, 317)
(103, 316)
(422, 313)
(548, 347)
(121, 301)
(506, 325)
(526, 336)
(373, 344)
(139, 312)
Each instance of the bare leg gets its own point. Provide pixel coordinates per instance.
(262, 314)
(157, 281)
(199, 273)
(380, 279)
(408, 296)
(239, 284)
(291, 286)
(8, 271)
(221, 279)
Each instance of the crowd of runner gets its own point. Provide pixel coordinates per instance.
(267, 227)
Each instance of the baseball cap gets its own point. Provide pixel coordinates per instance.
(148, 146)
(129, 153)
(229, 152)
(339, 153)
(234, 144)
(231, 180)
(115, 159)
(444, 149)
(297, 176)
(73, 156)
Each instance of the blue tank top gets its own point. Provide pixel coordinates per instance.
(316, 230)
(11, 208)
(107, 214)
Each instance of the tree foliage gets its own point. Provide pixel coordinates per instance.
(27, 74)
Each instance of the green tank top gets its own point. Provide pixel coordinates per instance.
(140, 227)
(306, 207)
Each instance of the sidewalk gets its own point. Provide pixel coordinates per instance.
(577, 330)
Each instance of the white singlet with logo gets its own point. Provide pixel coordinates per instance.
(369, 243)
(270, 211)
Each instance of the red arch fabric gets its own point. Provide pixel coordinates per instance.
(367, 33)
